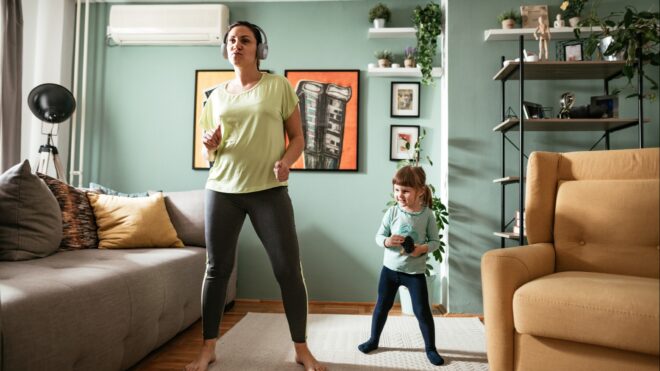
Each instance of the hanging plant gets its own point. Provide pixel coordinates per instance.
(427, 22)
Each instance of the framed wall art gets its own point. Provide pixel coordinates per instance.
(404, 99)
(402, 141)
(530, 15)
(329, 106)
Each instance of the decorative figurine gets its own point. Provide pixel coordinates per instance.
(559, 22)
(543, 37)
(566, 103)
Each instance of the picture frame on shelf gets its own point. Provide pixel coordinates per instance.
(570, 51)
(405, 99)
(205, 82)
(402, 141)
(329, 106)
(609, 103)
(530, 15)
(532, 111)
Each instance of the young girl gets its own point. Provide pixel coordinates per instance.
(411, 216)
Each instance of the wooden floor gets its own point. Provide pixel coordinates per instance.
(183, 348)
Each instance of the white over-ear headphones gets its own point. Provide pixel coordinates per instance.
(262, 48)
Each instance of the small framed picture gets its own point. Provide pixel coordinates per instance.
(402, 141)
(573, 52)
(532, 110)
(404, 99)
(530, 15)
(609, 104)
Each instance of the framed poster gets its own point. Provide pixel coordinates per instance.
(329, 106)
(404, 99)
(530, 15)
(402, 141)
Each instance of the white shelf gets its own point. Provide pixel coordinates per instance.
(401, 72)
(559, 33)
(392, 33)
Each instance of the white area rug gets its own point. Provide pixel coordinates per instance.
(261, 341)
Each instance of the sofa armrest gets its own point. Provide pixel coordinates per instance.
(503, 271)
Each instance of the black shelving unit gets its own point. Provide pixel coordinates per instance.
(553, 70)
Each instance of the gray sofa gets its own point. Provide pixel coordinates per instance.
(97, 309)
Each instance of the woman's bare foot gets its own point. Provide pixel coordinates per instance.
(305, 358)
(205, 357)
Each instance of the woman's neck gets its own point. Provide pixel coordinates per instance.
(246, 78)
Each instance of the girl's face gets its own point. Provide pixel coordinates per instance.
(408, 198)
(241, 46)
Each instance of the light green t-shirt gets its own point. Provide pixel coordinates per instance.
(252, 134)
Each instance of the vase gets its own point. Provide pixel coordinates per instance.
(384, 63)
(379, 23)
(508, 24)
(409, 63)
(574, 21)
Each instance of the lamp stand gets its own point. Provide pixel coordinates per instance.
(45, 152)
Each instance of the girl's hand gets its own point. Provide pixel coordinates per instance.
(211, 139)
(281, 170)
(394, 240)
(419, 250)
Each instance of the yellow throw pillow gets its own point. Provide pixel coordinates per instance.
(125, 222)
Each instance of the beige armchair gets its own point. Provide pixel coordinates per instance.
(584, 294)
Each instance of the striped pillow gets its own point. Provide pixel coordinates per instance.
(78, 223)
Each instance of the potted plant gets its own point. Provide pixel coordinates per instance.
(509, 19)
(627, 34)
(409, 53)
(440, 213)
(572, 10)
(379, 15)
(384, 58)
(427, 22)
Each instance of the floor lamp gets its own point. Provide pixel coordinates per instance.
(52, 104)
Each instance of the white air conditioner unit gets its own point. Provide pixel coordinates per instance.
(184, 24)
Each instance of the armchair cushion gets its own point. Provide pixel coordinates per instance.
(610, 310)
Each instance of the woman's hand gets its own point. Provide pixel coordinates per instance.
(211, 139)
(281, 170)
(394, 240)
(419, 250)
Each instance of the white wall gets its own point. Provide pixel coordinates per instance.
(48, 39)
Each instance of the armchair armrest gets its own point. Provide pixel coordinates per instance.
(503, 271)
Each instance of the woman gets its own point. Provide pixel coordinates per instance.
(244, 122)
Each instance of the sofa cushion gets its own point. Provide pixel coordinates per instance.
(608, 226)
(125, 222)
(30, 221)
(610, 310)
(186, 210)
(78, 224)
(97, 188)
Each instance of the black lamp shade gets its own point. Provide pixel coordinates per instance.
(51, 103)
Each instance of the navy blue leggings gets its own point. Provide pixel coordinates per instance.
(387, 287)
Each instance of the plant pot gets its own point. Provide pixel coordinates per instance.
(508, 24)
(574, 21)
(384, 63)
(409, 63)
(603, 45)
(379, 23)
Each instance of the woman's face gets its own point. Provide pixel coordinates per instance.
(242, 46)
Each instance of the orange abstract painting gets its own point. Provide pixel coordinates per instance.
(329, 107)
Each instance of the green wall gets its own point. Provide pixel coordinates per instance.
(475, 150)
(140, 125)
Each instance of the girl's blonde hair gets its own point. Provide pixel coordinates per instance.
(415, 177)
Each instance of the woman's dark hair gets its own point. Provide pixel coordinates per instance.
(414, 177)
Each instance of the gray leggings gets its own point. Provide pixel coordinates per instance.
(271, 215)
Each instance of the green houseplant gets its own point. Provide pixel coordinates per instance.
(384, 58)
(427, 22)
(572, 9)
(509, 19)
(437, 207)
(632, 32)
(379, 11)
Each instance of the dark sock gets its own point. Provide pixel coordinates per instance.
(368, 346)
(434, 357)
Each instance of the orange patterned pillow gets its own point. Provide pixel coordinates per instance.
(78, 224)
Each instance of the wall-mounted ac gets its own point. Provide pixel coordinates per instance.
(180, 24)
